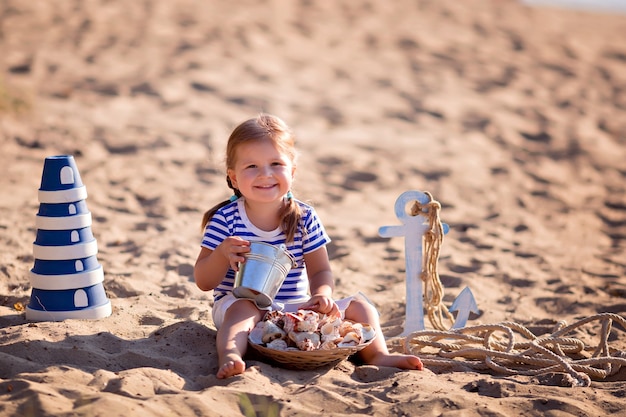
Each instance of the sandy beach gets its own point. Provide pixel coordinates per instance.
(512, 116)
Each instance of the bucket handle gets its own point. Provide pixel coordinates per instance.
(293, 260)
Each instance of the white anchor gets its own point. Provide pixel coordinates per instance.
(413, 229)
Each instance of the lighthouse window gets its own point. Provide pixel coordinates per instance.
(67, 175)
(78, 265)
(80, 298)
(74, 236)
(71, 209)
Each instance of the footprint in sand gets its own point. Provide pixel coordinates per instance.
(355, 179)
(613, 215)
(336, 249)
(150, 320)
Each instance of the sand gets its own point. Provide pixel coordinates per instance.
(513, 117)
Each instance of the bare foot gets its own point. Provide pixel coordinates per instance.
(233, 365)
(397, 361)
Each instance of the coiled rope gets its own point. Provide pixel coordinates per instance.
(482, 348)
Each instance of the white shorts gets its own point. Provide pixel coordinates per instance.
(224, 303)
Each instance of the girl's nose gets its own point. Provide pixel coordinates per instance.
(266, 171)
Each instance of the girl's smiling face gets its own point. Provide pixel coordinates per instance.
(261, 172)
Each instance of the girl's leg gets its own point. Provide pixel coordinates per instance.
(376, 353)
(232, 337)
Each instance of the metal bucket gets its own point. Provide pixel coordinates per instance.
(259, 278)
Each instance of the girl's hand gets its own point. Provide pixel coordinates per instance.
(233, 248)
(322, 304)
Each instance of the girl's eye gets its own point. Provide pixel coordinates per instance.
(251, 166)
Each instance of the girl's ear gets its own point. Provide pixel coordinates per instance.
(232, 176)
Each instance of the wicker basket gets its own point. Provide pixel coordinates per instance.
(307, 360)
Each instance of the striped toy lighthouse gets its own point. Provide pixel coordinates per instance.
(66, 277)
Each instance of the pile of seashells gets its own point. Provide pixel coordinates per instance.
(308, 330)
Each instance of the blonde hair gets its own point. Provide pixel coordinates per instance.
(263, 127)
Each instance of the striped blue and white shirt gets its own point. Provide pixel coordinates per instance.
(231, 220)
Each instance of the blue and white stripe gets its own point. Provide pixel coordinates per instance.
(231, 220)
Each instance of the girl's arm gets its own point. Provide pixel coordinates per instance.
(321, 282)
(211, 266)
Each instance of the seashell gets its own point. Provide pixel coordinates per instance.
(278, 344)
(344, 328)
(276, 317)
(290, 321)
(350, 339)
(305, 340)
(271, 332)
(329, 332)
(329, 344)
(307, 345)
(309, 321)
(367, 333)
(309, 330)
(256, 334)
(349, 327)
(336, 320)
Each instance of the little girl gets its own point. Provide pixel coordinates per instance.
(261, 163)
